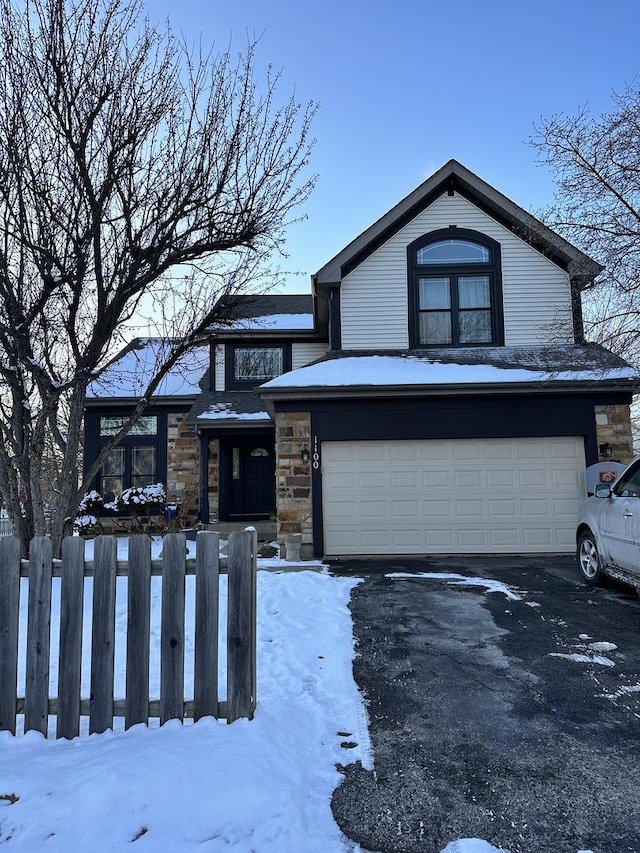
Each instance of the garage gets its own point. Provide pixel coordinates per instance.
(443, 496)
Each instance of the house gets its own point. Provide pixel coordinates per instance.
(434, 394)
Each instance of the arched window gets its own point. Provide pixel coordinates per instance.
(455, 293)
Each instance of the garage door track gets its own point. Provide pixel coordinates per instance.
(506, 708)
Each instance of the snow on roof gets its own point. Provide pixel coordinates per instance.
(130, 373)
(225, 411)
(380, 370)
(271, 322)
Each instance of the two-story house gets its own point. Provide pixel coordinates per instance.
(434, 394)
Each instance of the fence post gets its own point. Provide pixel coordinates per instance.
(36, 694)
(70, 657)
(138, 630)
(104, 629)
(174, 555)
(9, 610)
(240, 622)
(205, 681)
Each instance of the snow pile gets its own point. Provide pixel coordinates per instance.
(261, 785)
(461, 580)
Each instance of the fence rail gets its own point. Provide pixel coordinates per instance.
(137, 707)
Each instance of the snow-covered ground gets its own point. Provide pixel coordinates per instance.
(263, 785)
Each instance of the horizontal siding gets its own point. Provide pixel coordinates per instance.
(304, 353)
(536, 294)
(219, 367)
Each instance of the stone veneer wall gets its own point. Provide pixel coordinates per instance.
(613, 426)
(293, 479)
(183, 467)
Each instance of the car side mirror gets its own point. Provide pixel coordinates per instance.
(602, 490)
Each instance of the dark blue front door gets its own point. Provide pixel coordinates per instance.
(252, 480)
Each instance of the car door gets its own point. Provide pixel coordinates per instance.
(620, 521)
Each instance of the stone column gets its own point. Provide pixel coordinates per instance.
(613, 427)
(293, 479)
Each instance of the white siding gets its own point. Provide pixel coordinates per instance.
(305, 353)
(536, 293)
(219, 376)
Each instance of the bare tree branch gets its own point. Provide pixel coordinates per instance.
(134, 173)
(596, 163)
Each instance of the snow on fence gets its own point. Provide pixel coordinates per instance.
(39, 572)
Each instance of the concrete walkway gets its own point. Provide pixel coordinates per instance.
(514, 720)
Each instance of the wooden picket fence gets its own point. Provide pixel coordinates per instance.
(137, 707)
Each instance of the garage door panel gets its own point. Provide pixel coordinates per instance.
(535, 507)
(497, 477)
(448, 496)
(404, 480)
(437, 508)
(406, 509)
(469, 508)
(499, 508)
(468, 479)
(531, 477)
(436, 479)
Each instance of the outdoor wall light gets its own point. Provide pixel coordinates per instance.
(305, 455)
(605, 451)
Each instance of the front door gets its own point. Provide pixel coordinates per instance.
(252, 478)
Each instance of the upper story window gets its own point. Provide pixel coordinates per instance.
(253, 365)
(145, 425)
(455, 294)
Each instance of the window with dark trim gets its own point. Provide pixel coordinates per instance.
(249, 365)
(145, 425)
(455, 289)
(127, 466)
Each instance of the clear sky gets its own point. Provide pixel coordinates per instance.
(404, 85)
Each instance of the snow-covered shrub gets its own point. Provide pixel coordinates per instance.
(142, 498)
(88, 512)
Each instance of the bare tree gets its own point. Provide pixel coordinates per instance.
(136, 176)
(596, 163)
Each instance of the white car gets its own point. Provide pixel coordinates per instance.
(608, 532)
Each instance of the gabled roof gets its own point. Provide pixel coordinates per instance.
(453, 176)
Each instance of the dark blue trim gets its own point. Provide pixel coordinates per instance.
(335, 320)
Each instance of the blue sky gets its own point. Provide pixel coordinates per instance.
(404, 86)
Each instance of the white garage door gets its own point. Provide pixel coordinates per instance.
(451, 496)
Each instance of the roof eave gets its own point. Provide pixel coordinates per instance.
(272, 395)
(164, 400)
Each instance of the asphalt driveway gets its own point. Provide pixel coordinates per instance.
(510, 715)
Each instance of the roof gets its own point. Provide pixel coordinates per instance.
(225, 408)
(129, 373)
(457, 370)
(454, 176)
(271, 314)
